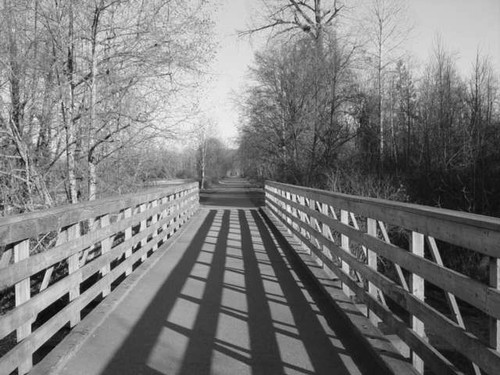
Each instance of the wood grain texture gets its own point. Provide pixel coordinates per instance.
(476, 293)
(476, 232)
(158, 222)
(462, 340)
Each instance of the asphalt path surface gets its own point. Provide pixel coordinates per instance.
(224, 299)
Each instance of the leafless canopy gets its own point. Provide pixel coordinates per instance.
(311, 17)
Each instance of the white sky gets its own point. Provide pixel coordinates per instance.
(464, 26)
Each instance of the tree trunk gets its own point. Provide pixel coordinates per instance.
(67, 107)
(92, 162)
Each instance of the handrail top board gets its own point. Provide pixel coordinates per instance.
(19, 227)
(459, 217)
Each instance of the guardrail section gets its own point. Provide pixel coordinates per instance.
(55, 264)
(354, 236)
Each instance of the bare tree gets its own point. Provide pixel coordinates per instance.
(385, 27)
(82, 80)
(18, 115)
(309, 16)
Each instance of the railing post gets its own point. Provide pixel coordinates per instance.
(344, 242)
(142, 226)
(313, 225)
(302, 202)
(372, 263)
(494, 323)
(417, 289)
(325, 230)
(288, 208)
(128, 235)
(105, 247)
(154, 220)
(73, 232)
(23, 294)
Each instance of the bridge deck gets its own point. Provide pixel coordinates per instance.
(223, 299)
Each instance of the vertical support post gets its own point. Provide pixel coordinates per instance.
(163, 216)
(142, 227)
(266, 195)
(417, 289)
(302, 202)
(325, 230)
(314, 227)
(294, 212)
(23, 294)
(283, 205)
(180, 200)
(344, 243)
(128, 235)
(154, 220)
(372, 263)
(73, 232)
(494, 323)
(171, 209)
(177, 208)
(196, 199)
(288, 208)
(105, 247)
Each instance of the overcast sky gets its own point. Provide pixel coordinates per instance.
(464, 26)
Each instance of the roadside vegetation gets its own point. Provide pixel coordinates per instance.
(335, 102)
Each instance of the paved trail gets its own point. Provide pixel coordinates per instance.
(223, 299)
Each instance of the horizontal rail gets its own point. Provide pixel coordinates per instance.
(478, 232)
(75, 254)
(19, 227)
(349, 249)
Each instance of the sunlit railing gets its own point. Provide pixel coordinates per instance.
(55, 264)
(351, 236)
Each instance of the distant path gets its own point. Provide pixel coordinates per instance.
(222, 300)
(233, 192)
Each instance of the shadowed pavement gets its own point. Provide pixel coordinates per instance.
(224, 299)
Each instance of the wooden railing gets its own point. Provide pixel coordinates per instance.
(56, 263)
(351, 236)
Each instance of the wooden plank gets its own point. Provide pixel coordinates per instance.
(19, 227)
(10, 361)
(476, 232)
(314, 224)
(106, 245)
(399, 271)
(494, 272)
(143, 208)
(73, 266)
(5, 259)
(418, 290)
(464, 342)
(127, 213)
(32, 306)
(46, 279)
(450, 298)
(60, 252)
(363, 248)
(480, 295)
(22, 295)
(436, 361)
(344, 240)
(14, 318)
(452, 301)
(154, 220)
(371, 226)
(325, 231)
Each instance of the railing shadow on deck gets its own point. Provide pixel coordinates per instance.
(351, 237)
(57, 264)
(236, 271)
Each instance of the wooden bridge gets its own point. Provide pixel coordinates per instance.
(301, 282)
